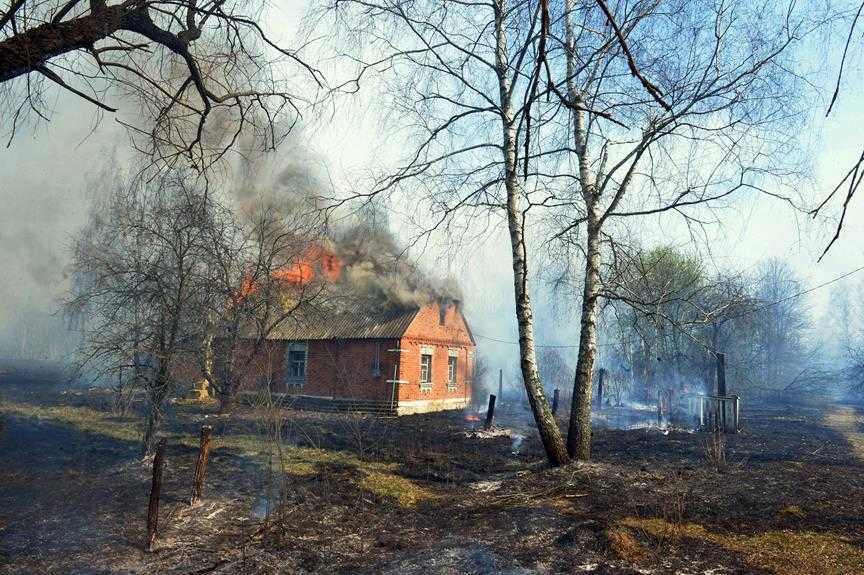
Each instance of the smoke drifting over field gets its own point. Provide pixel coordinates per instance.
(47, 179)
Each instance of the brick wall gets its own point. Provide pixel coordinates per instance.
(344, 368)
(428, 332)
(334, 368)
(349, 369)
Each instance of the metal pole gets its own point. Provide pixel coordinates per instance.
(394, 396)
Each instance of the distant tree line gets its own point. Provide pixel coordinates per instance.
(667, 317)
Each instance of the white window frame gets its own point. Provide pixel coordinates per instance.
(424, 351)
(453, 374)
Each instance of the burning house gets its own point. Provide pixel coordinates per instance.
(377, 335)
(403, 361)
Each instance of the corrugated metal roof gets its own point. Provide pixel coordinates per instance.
(323, 324)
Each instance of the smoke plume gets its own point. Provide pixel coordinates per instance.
(376, 271)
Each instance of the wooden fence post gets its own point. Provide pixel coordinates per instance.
(201, 464)
(490, 413)
(721, 374)
(721, 389)
(155, 488)
(600, 377)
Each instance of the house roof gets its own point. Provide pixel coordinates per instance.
(317, 324)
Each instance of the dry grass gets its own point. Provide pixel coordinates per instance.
(715, 450)
(792, 511)
(392, 486)
(625, 545)
(844, 420)
(81, 418)
(786, 551)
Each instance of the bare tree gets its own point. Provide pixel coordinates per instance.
(849, 184)
(200, 73)
(247, 297)
(668, 107)
(462, 75)
(669, 318)
(781, 324)
(136, 269)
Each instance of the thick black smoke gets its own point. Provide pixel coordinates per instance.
(379, 271)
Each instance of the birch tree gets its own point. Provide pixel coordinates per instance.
(670, 107)
(135, 271)
(459, 74)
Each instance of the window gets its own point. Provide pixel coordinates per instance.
(295, 372)
(451, 372)
(425, 371)
(376, 360)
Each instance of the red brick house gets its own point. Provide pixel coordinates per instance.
(403, 360)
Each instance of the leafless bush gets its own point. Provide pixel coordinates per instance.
(715, 450)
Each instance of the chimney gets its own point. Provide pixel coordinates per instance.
(442, 312)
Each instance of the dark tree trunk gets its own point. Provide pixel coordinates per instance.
(490, 413)
(153, 421)
(23, 53)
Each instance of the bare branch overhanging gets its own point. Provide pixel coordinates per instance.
(189, 76)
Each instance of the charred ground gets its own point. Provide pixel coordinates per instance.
(420, 494)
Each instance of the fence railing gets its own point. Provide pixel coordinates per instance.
(715, 412)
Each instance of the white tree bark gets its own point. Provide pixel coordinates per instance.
(579, 432)
(550, 435)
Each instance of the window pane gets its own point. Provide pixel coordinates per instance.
(425, 368)
(297, 364)
(451, 370)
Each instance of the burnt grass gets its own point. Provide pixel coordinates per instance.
(345, 493)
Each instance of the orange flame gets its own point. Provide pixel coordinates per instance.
(316, 261)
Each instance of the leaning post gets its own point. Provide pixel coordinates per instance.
(201, 464)
(155, 488)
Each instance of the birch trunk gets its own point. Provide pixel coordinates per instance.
(207, 354)
(550, 435)
(579, 432)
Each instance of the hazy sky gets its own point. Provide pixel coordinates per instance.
(43, 191)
